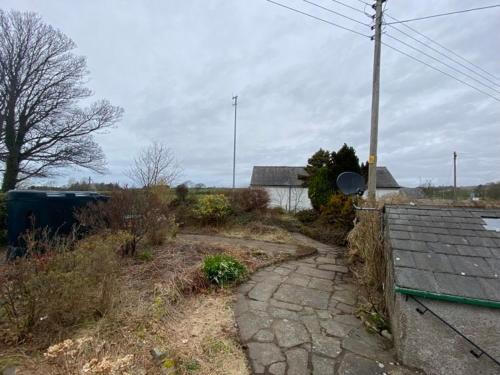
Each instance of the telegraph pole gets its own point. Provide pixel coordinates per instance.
(235, 104)
(372, 159)
(454, 176)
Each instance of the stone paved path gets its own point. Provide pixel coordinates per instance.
(297, 318)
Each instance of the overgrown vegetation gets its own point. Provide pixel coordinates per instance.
(142, 214)
(331, 223)
(95, 307)
(67, 283)
(249, 200)
(366, 247)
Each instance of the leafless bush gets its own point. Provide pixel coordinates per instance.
(251, 199)
(140, 213)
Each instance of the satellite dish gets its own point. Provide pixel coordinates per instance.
(351, 183)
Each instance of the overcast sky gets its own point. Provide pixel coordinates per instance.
(173, 65)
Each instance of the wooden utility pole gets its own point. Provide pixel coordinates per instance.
(235, 104)
(372, 159)
(454, 176)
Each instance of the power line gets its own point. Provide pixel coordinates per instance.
(443, 54)
(394, 48)
(318, 18)
(441, 71)
(337, 13)
(445, 64)
(445, 14)
(364, 2)
(444, 47)
(348, 6)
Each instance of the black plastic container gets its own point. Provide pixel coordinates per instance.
(54, 210)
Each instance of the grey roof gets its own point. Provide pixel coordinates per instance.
(445, 250)
(385, 180)
(277, 176)
(288, 176)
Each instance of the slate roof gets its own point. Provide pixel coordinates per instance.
(288, 176)
(445, 250)
(277, 176)
(385, 180)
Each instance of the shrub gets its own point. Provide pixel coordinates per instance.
(212, 208)
(141, 213)
(252, 199)
(339, 211)
(60, 288)
(320, 188)
(222, 269)
(307, 216)
(181, 191)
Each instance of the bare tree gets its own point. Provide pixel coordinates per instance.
(297, 194)
(41, 82)
(279, 197)
(155, 165)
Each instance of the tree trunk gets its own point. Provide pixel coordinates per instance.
(11, 173)
(12, 161)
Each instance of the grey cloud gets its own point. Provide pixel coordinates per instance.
(302, 85)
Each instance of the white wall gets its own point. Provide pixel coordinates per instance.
(379, 193)
(290, 199)
(299, 200)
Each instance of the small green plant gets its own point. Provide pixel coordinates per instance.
(222, 269)
(212, 208)
(192, 365)
(212, 346)
(145, 255)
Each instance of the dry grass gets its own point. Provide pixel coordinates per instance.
(165, 303)
(205, 337)
(252, 230)
(259, 231)
(366, 246)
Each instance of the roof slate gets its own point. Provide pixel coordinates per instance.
(445, 250)
(385, 179)
(277, 176)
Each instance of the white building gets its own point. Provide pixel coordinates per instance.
(283, 185)
(285, 188)
(386, 183)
